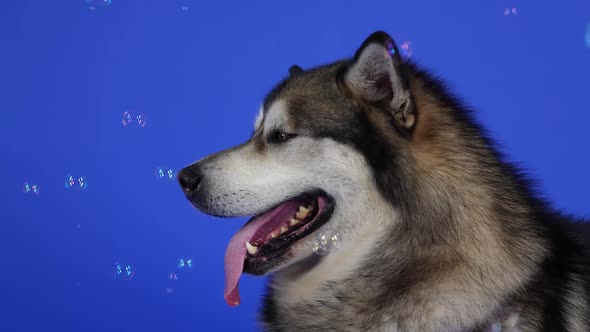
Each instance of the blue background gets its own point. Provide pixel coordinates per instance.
(198, 72)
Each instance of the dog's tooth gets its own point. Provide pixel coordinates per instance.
(274, 234)
(252, 250)
(302, 213)
(284, 229)
(293, 222)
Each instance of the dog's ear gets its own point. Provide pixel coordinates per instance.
(295, 70)
(376, 76)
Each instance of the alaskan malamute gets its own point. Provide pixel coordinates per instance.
(438, 232)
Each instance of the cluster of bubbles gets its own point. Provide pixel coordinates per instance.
(129, 118)
(510, 11)
(406, 49)
(183, 264)
(124, 271)
(163, 173)
(93, 4)
(326, 241)
(76, 182)
(30, 188)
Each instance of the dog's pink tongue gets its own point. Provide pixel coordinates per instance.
(258, 228)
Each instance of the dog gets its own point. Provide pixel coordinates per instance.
(436, 230)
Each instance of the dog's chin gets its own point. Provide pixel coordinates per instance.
(288, 248)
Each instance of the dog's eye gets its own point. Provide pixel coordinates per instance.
(279, 136)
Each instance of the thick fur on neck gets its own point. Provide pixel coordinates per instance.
(461, 238)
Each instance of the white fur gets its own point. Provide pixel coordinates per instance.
(286, 170)
(259, 117)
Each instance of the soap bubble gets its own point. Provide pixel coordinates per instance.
(406, 49)
(164, 173)
(31, 188)
(326, 241)
(391, 49)
(185, 263)
(77, 182)
(127, 119)
(82, 182)
(496, 327)
(92, 4)
(510, 11)
(124, 272)
(141, 121)
(70, 182)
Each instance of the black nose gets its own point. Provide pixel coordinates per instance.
(189, 179)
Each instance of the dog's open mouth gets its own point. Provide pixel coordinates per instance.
(268, 236)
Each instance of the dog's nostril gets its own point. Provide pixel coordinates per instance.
(189, 179)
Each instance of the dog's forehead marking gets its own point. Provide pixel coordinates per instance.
(275, 116)
(259, 117)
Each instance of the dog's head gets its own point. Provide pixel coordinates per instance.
(320, 140)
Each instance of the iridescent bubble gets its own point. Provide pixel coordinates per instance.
(82, 183)
(35, 189)
(70, 181)
(165, 173)
(496, 327)
(326, 241)
(406, 49)
(141, 121)
(124, 272)
(185, 263)
(92, 4)
(173, 276)
(127, 119)
(391, 49)
(510, 11)
(26, 187)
